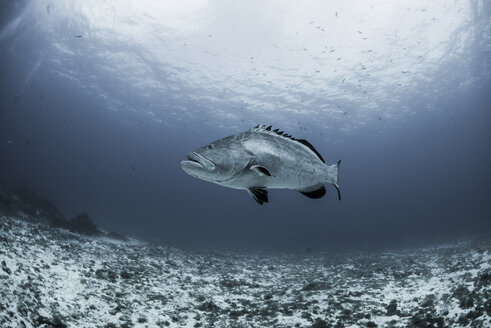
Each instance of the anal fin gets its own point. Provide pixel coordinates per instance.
(318, 193)
(259, 194)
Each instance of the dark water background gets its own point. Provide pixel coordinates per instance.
(100, 123)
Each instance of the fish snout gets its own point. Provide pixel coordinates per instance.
(198, 161)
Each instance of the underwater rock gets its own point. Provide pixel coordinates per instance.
(464, 296)
(5, 268)
(315, 286)
(320, 323)
(208, 307)
(392, 308)
(28, 205)
(125, 275)
(55, 322)
(81, 224)
(117, 236)
(106, 274)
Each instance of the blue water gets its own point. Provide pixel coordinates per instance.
(100, 101)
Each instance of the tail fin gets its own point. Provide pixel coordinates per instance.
(333, 177)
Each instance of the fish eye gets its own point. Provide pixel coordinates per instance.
(211, 146)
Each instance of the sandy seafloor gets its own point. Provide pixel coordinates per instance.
(51, 277)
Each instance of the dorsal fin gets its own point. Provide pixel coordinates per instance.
(267, 129)
(306, 143)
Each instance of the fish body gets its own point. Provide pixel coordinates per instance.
(261, 159)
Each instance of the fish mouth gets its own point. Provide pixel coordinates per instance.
(198, 161)
(193, 159)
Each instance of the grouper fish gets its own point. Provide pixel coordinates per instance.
(261, 159)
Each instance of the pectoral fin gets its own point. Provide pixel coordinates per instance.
(259, 194)
(261, 170)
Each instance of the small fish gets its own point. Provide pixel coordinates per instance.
(261, 158)
(77, 36)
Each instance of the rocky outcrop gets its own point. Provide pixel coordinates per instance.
(28, 206)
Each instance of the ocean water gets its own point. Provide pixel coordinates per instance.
(100, 101)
